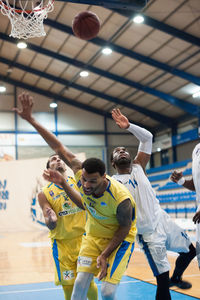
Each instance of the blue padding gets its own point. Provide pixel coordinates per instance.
(178, 164)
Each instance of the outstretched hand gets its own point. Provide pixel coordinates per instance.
(120, 119)
(53, 176)
(27, 103)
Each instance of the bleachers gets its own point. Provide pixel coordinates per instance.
(174, 199)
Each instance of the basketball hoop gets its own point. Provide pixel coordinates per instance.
(26, 16)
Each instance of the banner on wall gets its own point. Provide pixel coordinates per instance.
(20, 183)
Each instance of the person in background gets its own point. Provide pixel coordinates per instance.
(192, 184)
(157, 233)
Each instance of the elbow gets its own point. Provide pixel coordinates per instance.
(51, 225)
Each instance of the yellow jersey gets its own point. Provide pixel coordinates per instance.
(71, 219)
(102, 211)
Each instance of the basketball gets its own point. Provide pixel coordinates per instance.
(86, 25)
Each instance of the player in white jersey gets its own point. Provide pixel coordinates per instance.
(157, 233)
(193, 184)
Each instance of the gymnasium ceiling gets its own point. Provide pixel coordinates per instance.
(151, 74)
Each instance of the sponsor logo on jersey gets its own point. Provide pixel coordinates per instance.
(94, 213)
(69, 211)
(84, 261)
(67, 275)
(103, 204)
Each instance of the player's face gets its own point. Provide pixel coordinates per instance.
(92, 183)
(55, 163)
(121, 156)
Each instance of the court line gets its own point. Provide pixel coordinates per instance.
(57, 288)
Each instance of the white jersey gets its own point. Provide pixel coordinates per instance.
(196, 171)
(148, 207)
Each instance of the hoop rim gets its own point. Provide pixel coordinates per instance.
(50, 3)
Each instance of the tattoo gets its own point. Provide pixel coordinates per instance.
(124, 213)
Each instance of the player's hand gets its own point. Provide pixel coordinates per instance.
(102, 263)
(26, 103)
(51, 215)
(53, 176)
(175, 176)
(120, 119)
(196, 218)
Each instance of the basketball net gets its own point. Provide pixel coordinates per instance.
(26, 16)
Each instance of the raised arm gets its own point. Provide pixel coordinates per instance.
(49, 214)
(143, 135)
(26, 113)
(124, 217)
(58, 178)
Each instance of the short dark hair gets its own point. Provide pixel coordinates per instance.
(48, 162)
(93, 165)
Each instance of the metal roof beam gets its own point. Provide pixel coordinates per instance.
(61, 98)
(129, 53)
(183, 105)
(177, 33)
(122, 4)
(156, 116)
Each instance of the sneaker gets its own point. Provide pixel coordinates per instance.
(181, 284)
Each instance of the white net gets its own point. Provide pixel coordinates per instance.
(26, 16)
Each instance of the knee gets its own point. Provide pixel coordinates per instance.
(108, 291)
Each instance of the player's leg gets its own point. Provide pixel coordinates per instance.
(92, 291)
(108, 290)
(162, 292)
(178, 241)
(81, 286)
(155, 251)
(182, 263)
(117, 264)
(67, 289)
(86, 269)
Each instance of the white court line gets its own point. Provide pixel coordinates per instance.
(56, 288)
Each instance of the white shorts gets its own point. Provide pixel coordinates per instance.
(167, 236)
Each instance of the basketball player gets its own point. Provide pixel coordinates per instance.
(193, 184)
(111, 223)
(67, 225)
(157, 233)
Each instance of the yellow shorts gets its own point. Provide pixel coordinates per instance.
(92, 247)
(65, 254)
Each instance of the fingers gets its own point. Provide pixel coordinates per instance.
(26, 100)
(196, 218)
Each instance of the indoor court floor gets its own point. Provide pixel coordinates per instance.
(26, 272)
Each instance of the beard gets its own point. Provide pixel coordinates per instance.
(60, 169)
(123, 162)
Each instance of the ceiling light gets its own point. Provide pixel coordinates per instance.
(138, 19)
(2, 88)
(21, 45)
(53, 105)
(158, 149)
(107, 51)
(84, 74)
(196, 95)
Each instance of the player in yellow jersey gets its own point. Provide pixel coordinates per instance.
(111, 225)
(67, 225)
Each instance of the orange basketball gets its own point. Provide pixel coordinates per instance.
(86, 25)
